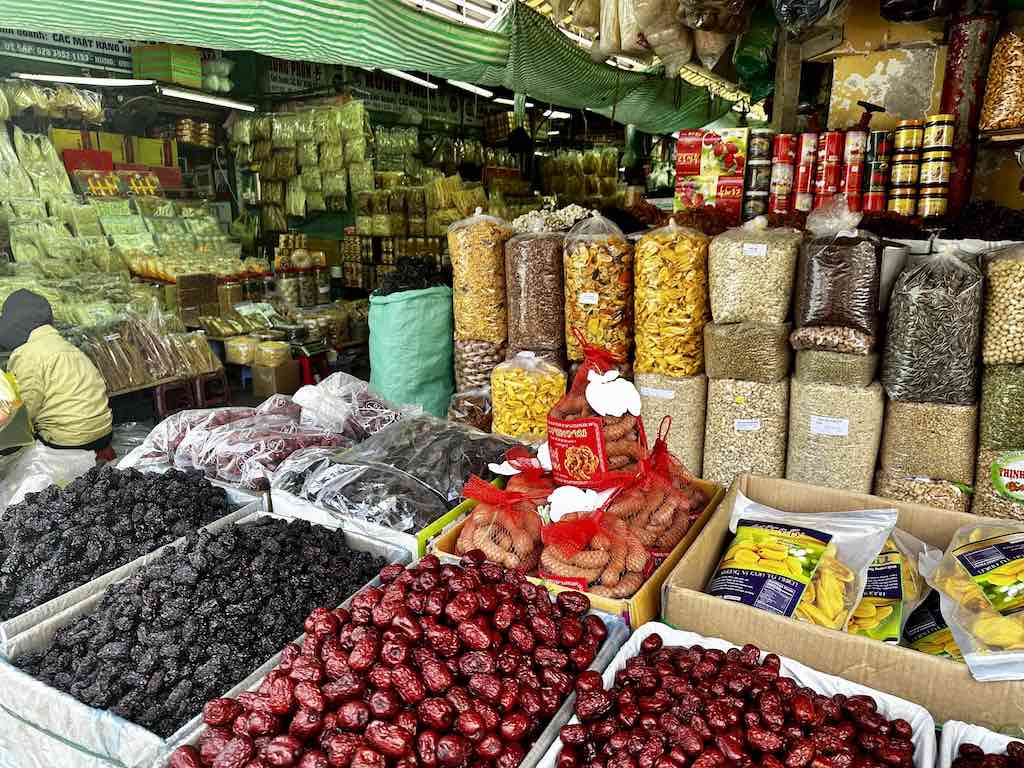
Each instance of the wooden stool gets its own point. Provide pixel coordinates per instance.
(172, 397)
(211, 389)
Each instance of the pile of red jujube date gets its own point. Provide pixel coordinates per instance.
(441, 666)
(973, 756)
(706, 708)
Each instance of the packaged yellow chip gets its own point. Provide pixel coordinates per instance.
(981, 578)
(810, 566)
(926, 631)
(893, 590)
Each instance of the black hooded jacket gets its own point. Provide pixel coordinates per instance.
(23, 312)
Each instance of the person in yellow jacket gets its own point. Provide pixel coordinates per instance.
(65, 394)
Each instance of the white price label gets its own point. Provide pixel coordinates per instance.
(113, 337)
(827, 425)
(661, 394)
(747, 425)
(588, 297)
(755, 249)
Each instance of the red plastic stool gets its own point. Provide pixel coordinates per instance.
(211, 389)
(172, 397)
(313, 369)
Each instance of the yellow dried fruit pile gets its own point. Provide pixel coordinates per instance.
(523, 390)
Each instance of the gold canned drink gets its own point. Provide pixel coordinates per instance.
(903, 203)
(905, 168)
(936, 167)
(933, 201)
(908, 136)
(938, 132)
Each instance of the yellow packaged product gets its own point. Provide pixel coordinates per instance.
(477, 247)
(240, 350)
(523, 390)
(926, 631)
(811, 567)
(598, 263)
(981, 581)
(273, 353)
(672, 304)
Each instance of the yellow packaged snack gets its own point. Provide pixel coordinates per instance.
(926, 631)
(523, 390)
(811, 567)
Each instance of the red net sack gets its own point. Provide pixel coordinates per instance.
(532, 479)
(583, 443)
(504, 525)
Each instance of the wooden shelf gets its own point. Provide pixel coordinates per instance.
(1006, 136)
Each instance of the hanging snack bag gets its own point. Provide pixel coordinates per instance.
(811, 567)
(504, 524)
(596, 426)
(523, 391)
(671, 301)
(598, 265)
(477, 247)
(894, 589)
(926, 631)
(981, 578)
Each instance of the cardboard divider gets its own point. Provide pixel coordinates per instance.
(942, 686)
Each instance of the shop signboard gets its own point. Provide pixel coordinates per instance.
(63, 48)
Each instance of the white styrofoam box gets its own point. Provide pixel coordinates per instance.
(955, 733)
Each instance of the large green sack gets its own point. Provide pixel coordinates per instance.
(411, 348)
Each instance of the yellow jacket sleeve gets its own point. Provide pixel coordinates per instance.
(29, 380)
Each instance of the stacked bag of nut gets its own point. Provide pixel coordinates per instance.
(930, 375)
(999, 487)
(746, 351)
(835, 407)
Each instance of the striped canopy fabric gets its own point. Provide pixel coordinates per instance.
(524, 51)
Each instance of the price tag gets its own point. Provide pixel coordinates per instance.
(755, 249)
(661, 394)
(588, 297)
(827, 425)
(747, 425)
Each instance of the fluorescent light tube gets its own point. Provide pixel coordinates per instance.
(472, 88)
(411, 78)
(556, 115)
(113, 82)
(511, 102)
(553, 133)
(203, 98)
(448, 13)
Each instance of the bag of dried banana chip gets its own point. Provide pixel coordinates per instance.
(811, 567)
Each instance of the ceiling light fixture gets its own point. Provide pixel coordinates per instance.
(553, 133)
(203, 98)
(447, 13)
(411, 78)
(472, 88)
(512, 102)
(111, 82)
(556, 115)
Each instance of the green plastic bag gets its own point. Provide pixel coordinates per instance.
(411, 348)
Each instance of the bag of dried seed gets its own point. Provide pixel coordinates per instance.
(598, 263)
(671, 301)
(931, 348)
(1002, 415)
(747, 351)
(1003, 341)
(535, 290)
(684, 399)
(523, 391)
(746, 430)
(923, 490)
(930, 440)
(477, 247)
(818, 366)
(1003, 106)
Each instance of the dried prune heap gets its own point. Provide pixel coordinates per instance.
(972, 756)
(200, 619)
(441, 667)
(59, 539)
(704, 707)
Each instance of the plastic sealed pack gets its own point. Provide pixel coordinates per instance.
(477, 247)
(523, 391)
(346, 404)
(747, 351)
(927, 631)
(535, 291)
(811, 567)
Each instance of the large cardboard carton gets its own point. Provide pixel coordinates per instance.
(280, 379)
(181, 64)
(944, 687)
(643, 606)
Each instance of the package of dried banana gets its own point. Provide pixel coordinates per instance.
(894, 589)
(926, 631)
(812, 567)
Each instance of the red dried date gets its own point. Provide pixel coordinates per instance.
(236, 753)
(211, 742)
(436, 713)
(594, 704)
(186, 757)
(305, 724)
(389, 739)
(426, 748)
(511, 756)
(353, 715)
(367, 758)
(595, 627)
(545, 629)
(486, 686)
(573, 602)
(407, 684)
(383, 704)
(340, 748)
(550, 657)
(471, 725)
(452, 750)
(281, 751)
(221, 711)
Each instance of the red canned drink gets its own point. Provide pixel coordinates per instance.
(807, 148)
(854, 147)
(879, 146)
(853, 176)
(803, 201)
(873, 201)
(779, 204)
(820, 200)
(876, 176)
(830, 147)
(853, 202)
(827, 180)
(784, 148)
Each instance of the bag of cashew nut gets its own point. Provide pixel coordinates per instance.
(504, 524)
(811, 567)
(596, 426)
(895, 587)
(981, 581)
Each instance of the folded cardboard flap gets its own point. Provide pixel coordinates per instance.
(944, 687)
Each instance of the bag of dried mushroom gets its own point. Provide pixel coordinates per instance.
(747, 351)
(671, 301)
(931, 348)
(598, 263)
(837, 283)
(477, 248)
(746, 429)
(750, 273)
(930, 440)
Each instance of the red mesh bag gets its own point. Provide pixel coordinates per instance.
(532, 479)
(504, 524)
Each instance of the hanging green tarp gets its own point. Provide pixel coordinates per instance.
(524, 52)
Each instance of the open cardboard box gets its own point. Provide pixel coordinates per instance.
(943, 687)
(645, 604)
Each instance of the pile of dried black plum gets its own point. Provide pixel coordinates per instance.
(191, 625)
(59, 539)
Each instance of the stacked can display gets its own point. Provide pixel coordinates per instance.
(806, 158)
(829, 167)
(904, 173)
(759, 173)
(936, 165)
(876, 170)
(854, 150)
(783, 173)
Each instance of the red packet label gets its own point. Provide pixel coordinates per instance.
(566, 581)
(729, 196)
(577, 450)
(689, 150)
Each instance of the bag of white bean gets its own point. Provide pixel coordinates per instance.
(684, 399)
(1003, 340)
(746, 429)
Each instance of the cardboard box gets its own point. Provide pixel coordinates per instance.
(643, 606)
(280, 379)
(944, 687)
(63, 138)
(114, 143)
(168, 63)
(154, 152)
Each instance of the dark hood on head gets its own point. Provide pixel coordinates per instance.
(23, 312)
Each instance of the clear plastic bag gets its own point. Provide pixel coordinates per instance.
(332, 157)
(162, 445)
(477, 248)
(334, 184)
(1003, 341)
(345, 404)
(308, 154)
(240, 350)
(726, 16)
(823, 367)
(838, 274)
(1002, 416)
(1003, 106)
(598, 264)
(927, 632)
(14, 181)
(930, 440)
(295, 198)
(284, 130)
(931, 348)
(535, 291)
(832, 338)
(799, 15)
(472, 407)
(360, 177)
(684, 400)
(710, 47)
(37, 467)
(811, 567)
(747, 351)
(941, 494)
(15, 426)
(978, 578)
(351, 117)
(746, 430)
(241, 130)
(523, 390)
(631, 37)
(474, 362)
(672, 307)
(355, 149)
(505, 524)
(587, 14)
(609, 41)
(834, 434)
(750, 273)
(291, 474)
(996, 491)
